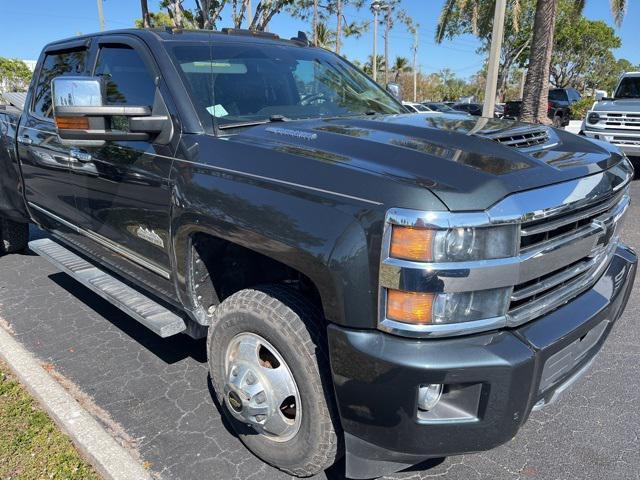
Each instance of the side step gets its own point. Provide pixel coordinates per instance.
(152, 315)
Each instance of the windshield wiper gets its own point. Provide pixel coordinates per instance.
(253, 123)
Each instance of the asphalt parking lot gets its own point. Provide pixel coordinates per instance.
(158, 391)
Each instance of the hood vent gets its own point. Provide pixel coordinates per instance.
(522, 140)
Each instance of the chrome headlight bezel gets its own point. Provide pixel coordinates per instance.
(522, 210)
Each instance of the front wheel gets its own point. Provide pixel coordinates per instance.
(14, 236)
(270, 369)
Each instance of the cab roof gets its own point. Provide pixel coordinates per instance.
(177, 35)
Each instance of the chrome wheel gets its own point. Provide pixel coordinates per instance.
(259, 389)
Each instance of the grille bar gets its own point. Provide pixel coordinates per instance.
(550, 225)
(550, 290)
(554, 298)
(552, 281)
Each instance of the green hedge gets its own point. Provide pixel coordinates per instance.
(581, 107)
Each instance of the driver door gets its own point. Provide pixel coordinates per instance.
(125, 201)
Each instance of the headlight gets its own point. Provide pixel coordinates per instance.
(451, 252)
(453, 245)
(593, 118)
(442, 308)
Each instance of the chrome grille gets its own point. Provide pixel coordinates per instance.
(621, 119)
(598, 222)
(523, 140)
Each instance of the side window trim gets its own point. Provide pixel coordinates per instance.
(56, 49)
(123, 40)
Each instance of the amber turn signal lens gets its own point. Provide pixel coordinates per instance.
(72, 123)
(412, 243)
(409, 307)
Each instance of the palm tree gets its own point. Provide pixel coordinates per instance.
(400, 66)
(535, 98)
(325, 37)
(380, 65)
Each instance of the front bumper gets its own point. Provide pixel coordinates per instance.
(492, 381)
(627, 141)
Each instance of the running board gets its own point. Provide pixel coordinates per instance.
(152, 315)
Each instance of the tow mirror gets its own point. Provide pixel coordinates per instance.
(600, 94)
(81, 115)
(395, 90)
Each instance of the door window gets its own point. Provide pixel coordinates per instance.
(55, 65)
(128, 80)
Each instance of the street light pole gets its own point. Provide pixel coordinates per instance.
(494, 59)
(101, 15)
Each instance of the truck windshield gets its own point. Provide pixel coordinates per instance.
(629, 88)
(243, 84)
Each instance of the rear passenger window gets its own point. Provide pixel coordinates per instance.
(128, 80)
(55, 65)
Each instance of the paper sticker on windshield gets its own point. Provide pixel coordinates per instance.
(217, 111)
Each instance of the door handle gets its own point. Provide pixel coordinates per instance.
(80, 155)
(25, 140)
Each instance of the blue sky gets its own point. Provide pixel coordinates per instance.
(27, 26)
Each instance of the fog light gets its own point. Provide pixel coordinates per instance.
(429, 396)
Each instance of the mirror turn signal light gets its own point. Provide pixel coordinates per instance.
(409, 307)
(72, 123)
(410, 243)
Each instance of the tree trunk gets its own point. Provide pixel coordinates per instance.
(536, 89)
(146, 23)
(338, 25)
(315, 23)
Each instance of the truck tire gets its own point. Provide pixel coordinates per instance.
(14, 236)
(557, 121)
(269, 367)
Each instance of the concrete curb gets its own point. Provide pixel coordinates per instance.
(107, 456)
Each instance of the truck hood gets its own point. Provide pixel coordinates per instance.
(619, 105)
(466, 161)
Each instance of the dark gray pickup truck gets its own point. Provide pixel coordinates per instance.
(381, 285)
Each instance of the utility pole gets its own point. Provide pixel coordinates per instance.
(375, 6)
(415, 63)
(101, 15)
(494, 59)
(249, 13)
(387, 30)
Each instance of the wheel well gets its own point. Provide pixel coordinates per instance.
(229, 268)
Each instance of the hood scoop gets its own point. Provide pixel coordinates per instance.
(523, 139)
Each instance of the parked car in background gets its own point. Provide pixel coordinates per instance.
(372, 284)
(617, 119)
(558, 110)
(474, 109)
(498, 110)
(416, 107)
(443, 107)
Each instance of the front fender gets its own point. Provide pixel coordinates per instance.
(326, 238)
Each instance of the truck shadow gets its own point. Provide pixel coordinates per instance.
(170, 350)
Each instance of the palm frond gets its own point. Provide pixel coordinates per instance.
(618, 9)
(445, 17)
